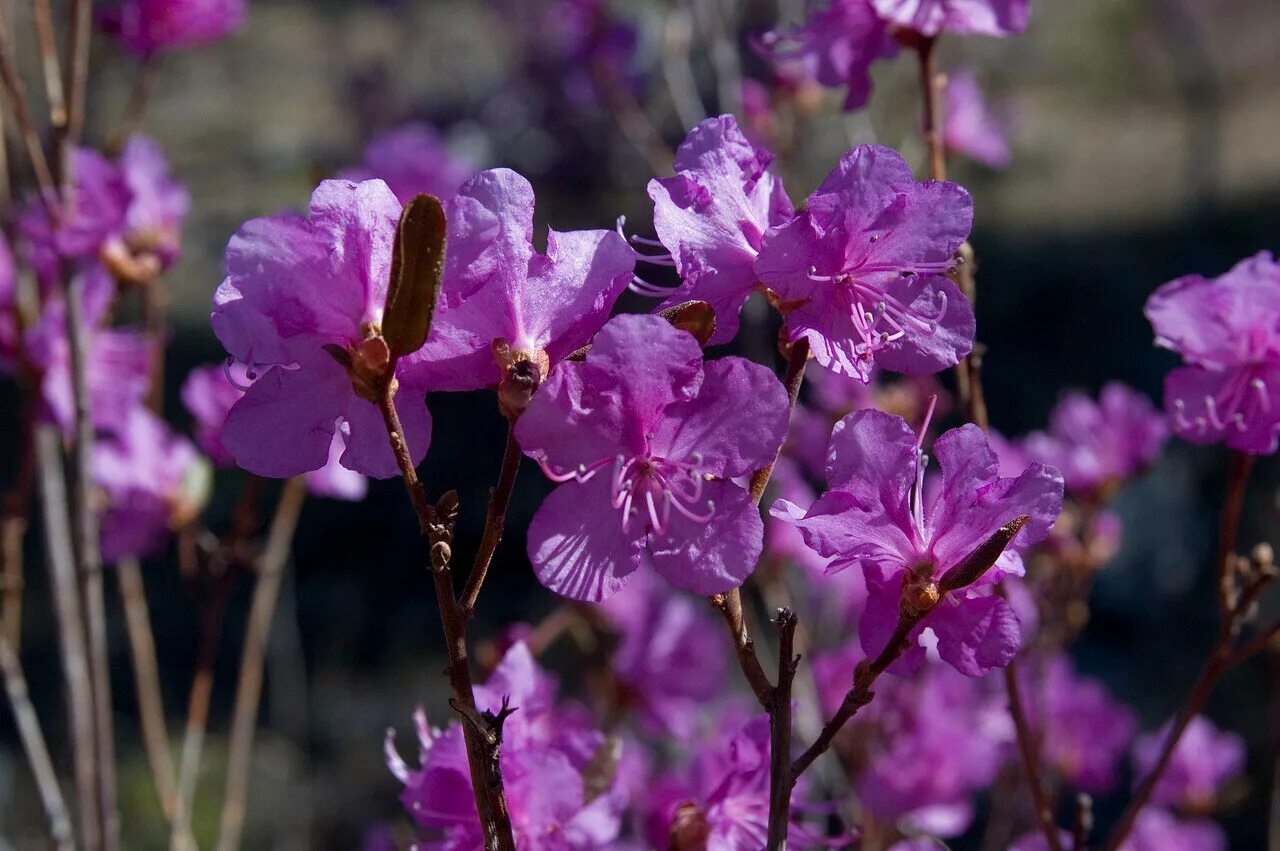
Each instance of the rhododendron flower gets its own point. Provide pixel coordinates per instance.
(877, 516)
(153, 480)
(1226, 329)
(711, 216)
(209, 394)
(556, 801)
(861, 272)
(412, 160)
(158, 204)
(503, 306)
(99, 203)
(148, 26)
(962, 17)
(662, 657)
(1204, 761)
(971, 128)
(835, 46)
(297, 289)
(646, 439)
(117, 369)
(1082, 730)
(1099, 444)
(928, 765)
(1154, 830)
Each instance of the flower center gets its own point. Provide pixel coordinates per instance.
(650, 485)
(879, 318)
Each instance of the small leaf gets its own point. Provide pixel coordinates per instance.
(417, 266)
(978, 562)
(696, 317)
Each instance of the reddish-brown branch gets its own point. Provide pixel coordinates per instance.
(22, 112)
(781, 781)
(1239, 465)
(791, 381)
(495, 519)
(1029, 759)
(932, 86)
(483, 740)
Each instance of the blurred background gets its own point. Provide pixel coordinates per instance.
(1144, 147)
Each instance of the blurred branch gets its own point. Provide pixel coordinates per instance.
(1030, 759)
(677, 69)
(22, 112)
(271, 566)
(24, 715)
(495, 518)
(142, 646)
(135, 110)
(50, 64)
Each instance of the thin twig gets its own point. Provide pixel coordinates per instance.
(77, 83)
(271, 567)
(13, 528)
(50, 64)
(1029, 758)
(495, 518)
(142, 646)
(1239, 465)
(482, 750)
(729, 606)
(794, 377)
(144, 84)
(931, 87)
(780, 780)
(67, 608)
(22, 112)
(33, 742)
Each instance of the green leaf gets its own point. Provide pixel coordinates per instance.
(417, 266)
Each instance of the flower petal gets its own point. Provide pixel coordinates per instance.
(977, 634)
(368, 448)
(715, 556)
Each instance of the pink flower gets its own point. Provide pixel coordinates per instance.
(148, 26)
(503, 305)
(295, 287)
(646, 440)
(1100, 444)
(971, 128)
(961, 17)
(835, 46)
(861, 272)
(412, 160)
(878, 517)
(1227, 329)
(1204, 761)
(712, 215)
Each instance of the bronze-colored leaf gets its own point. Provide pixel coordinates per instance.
(417, 266)
(696, 317)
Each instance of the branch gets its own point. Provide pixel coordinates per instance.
(24, 715)
(1239, 465)
(1029, 759)
(791, 381)
(244, 719)
(730, 608)
(22, 112)
(437, 526)
(499, 499)
(781, 781)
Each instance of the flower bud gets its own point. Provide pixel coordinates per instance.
(972, 567)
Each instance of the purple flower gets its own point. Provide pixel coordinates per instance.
(1154, 830)
(557, 799)
(153, 480)
(158, 204)
(117, 369)
(1099, 444)
(1082, 730)
(646, 439)
(971, 129)
(962, 17)
(1227, 329)
(878, 516)
(148, 26)
(929, 763)
(662, 658)
(209, 396)
(1204, 761)
(712, 215)
(836, 45)
(96, 215)
(412, 159)
(861, 272)
(504, 306)
(294, 288)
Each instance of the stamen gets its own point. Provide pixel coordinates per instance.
(1260, 388)
(928, 417)
(395, 763)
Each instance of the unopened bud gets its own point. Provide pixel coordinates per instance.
(522, 374)
(440, 555)
(972, 567)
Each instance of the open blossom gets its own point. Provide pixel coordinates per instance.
(835, 45)
(1227, 329)
(412, 160)
(646, 439)
(148, 26)
(503, 306)
(296, 290)
(209, 394)
(662, 657)
(556, 801)
(153, 482)
(878, 516)
(1100, 444)
(971, 128)
(962, 17)
(1204, 761)
(712, 215)
(158, 204)
(861, 272)
(1083, 731)
(95, 216)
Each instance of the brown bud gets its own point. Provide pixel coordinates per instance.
(972, 567)
(522, 374)
(440, 555)
(696, 317)
(689, 829)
